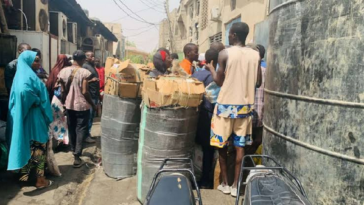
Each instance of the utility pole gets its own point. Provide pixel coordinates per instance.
(170, 25)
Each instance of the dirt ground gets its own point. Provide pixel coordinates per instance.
(84, 186)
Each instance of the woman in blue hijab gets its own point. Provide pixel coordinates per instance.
(30, 116)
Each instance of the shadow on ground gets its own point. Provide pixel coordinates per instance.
(65, 189)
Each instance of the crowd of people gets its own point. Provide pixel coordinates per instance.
(46, 109)
(60, 107)
(233, 116)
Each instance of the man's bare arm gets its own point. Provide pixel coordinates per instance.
(219, 76)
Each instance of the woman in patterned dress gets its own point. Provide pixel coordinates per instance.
(58, 129)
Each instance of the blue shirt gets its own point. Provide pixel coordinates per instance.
(263, 64)
(205, 77)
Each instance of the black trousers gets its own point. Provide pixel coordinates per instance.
(257, 136)
(77, 129)
(203, 138)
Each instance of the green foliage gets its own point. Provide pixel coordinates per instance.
(151, 54)
(130, 43)
(137, 59)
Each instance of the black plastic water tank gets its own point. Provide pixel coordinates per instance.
(314, 99)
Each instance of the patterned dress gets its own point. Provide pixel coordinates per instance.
(36, 161)
(58, 129)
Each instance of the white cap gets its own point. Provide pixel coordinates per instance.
(201, 57)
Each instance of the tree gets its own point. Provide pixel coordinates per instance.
(151, 54)
(130, 43)
(138, 59)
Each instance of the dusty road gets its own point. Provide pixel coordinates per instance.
(84, 186)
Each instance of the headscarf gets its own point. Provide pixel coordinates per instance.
(30, 112)
(62, 61)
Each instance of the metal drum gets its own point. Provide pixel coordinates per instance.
(314, 97)
(119, 136)
(164, 133)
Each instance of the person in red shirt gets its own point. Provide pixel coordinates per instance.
(101, 71)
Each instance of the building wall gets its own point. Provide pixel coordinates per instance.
(116, 29)
(249, 11)
(164, 31)
(164, 34)
(208, 30)
(208, 27)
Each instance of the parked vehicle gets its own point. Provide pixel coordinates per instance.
(270, 184)
(170, 186)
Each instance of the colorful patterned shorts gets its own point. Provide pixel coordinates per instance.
(222, 129)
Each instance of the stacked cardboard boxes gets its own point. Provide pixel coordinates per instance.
(124, 79)
(172, 90)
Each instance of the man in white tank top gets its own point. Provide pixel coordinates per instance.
(238, 75)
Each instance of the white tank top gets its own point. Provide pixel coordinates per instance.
(237, 93)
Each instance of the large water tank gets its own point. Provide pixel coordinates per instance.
(164, 133)
(119, 136)
(314, 99)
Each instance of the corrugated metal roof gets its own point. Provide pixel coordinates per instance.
(75, 12)
(72, 10)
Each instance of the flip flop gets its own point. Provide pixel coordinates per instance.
(79, 165)
(49, 184)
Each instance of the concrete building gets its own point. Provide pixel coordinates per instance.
(205, 21)
(164, 38)
(57, 27)
(118, 47)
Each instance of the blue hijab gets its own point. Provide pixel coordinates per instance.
(30, 112)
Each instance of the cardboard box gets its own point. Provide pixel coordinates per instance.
(109, 63)
(172, 91)
(130, 90)
(143, 71)
(124, 78)
(124, 90)
(150, 65)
